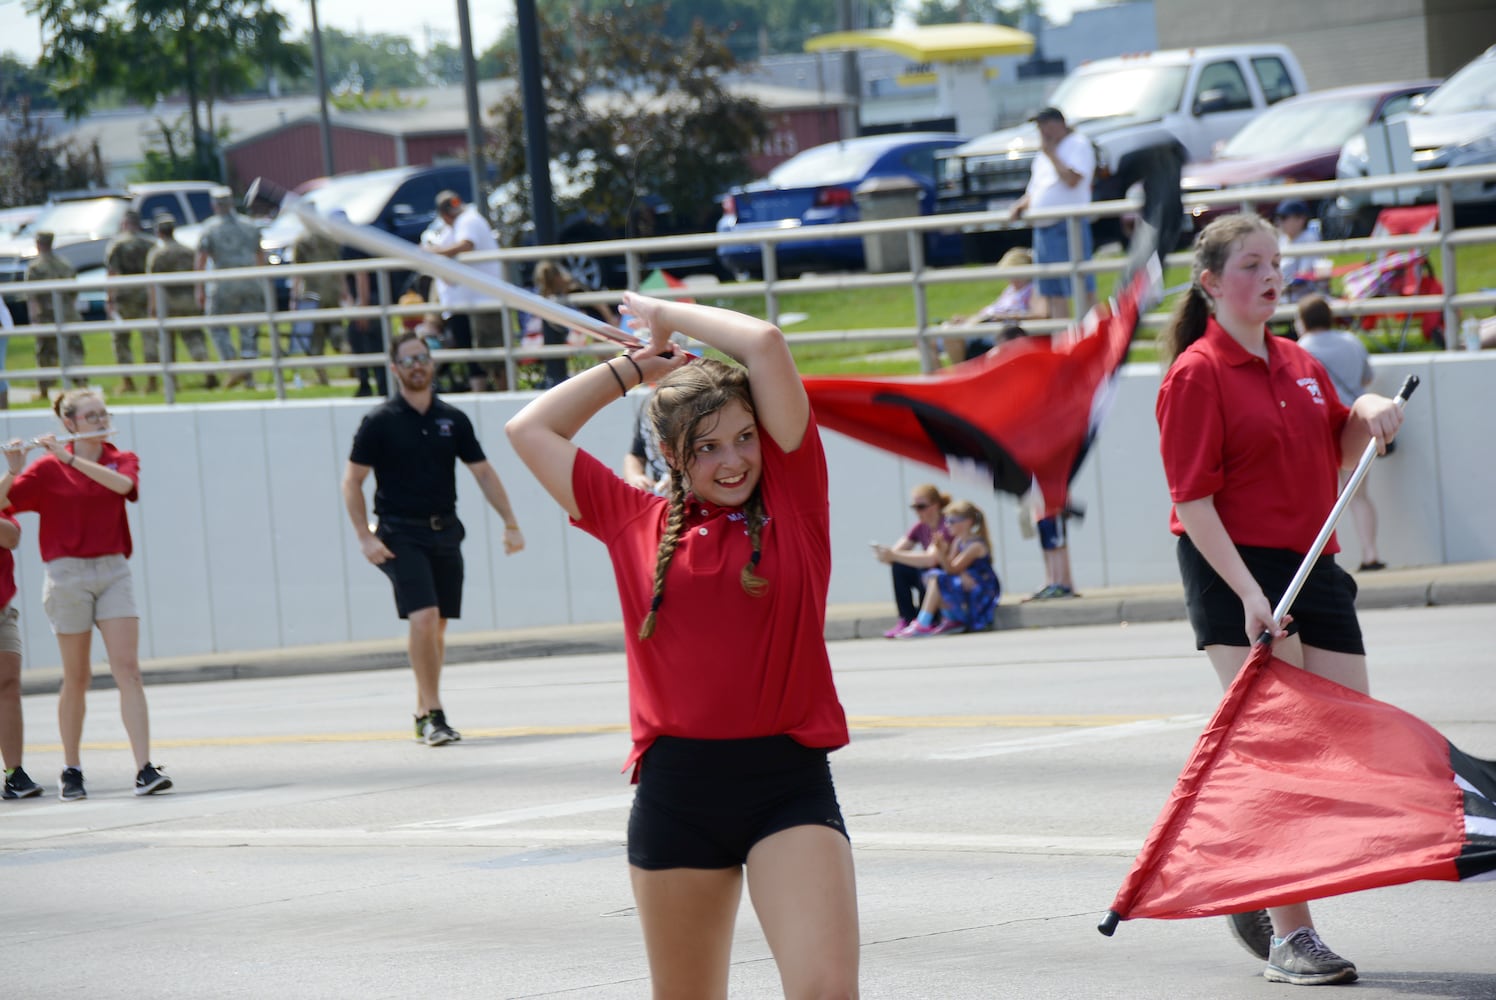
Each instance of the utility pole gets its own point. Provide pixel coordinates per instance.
(537, 147)
(851, 79)
(474, 112)
(323, 122)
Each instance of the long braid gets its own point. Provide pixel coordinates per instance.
(753, 511)
(675, 522)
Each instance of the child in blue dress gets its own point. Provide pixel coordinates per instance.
(964, 589)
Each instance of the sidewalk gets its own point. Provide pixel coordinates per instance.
(1420, 586)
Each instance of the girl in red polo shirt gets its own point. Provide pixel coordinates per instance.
(79, 489)
(1253, 435)
(723, 589)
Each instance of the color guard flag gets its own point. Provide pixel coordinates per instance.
(1023, 412)
(1301, 788)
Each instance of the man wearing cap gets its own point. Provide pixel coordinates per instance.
(126, 254)
(47, 266)
(229, 240)
(463, 229)
(1296, 224)
(1060, 178)
(177, 299)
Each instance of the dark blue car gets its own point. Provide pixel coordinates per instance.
(815, 188)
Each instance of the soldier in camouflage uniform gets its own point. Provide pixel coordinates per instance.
(177, 299)
(126, 255)
(47, 266)
(229, 240)
(315, 248)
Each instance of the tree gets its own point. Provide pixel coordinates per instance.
(963, 11)
(33, 164)
(21, 82)
(152, 49)
(632, 109)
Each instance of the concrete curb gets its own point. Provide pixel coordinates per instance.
(1428, 586)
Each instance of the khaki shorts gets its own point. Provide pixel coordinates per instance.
(10, 634)
(81, 592)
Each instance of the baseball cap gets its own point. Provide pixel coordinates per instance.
(1292, 206)
(1049, 115)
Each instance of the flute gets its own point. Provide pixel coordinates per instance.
(65, 439)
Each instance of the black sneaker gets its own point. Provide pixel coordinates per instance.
(72, 785)
(18, 785)
(1302, 959)
(434, 730)
(150, 780)
(1253, 930)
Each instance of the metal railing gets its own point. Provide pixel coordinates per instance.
(918, 279)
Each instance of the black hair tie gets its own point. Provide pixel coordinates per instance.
(654, 605)
(757, 555)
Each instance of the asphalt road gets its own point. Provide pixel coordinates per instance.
(996, 789)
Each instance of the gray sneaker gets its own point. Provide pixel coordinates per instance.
(1253, 930)
(434, 731)
(1303, 960)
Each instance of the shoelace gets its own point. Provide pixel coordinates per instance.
(1316, 948)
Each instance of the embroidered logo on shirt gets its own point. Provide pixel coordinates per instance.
(444, 427)
(1312, 385)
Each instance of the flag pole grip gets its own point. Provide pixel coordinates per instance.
(1108, 926)
(1323, 538)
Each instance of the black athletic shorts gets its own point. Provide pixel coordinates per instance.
(1324, 613)
(705, 803)
(427, 568)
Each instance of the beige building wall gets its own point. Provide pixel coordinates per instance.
(1341, 41)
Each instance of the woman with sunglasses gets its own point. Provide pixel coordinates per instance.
(916, 553)
(79, 489)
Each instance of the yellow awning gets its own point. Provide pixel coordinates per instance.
(931, 42)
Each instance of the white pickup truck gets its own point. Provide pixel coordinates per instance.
(1139, 111)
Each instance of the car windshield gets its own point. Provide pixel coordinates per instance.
(360, 195)
(1295, 128)
(88, 217)
(837, 163)
(1471, 89)
(1142, 91)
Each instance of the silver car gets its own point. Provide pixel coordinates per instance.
(1455, 126)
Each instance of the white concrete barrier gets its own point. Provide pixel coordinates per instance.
(241, 542)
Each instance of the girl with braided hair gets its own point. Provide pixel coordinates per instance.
(723, 588)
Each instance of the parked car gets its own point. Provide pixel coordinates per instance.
(83, 223)
(816, 188)
(1296, 141)
(13, 220)
(399, 200)
(1454, 126)
(1136, 110)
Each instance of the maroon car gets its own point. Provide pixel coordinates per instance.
(1296, 141)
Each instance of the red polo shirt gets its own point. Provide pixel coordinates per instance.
(722, 664)
(79, 518)
(1262, 438)
(7, 569)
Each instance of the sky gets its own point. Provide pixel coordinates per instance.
(20, 32)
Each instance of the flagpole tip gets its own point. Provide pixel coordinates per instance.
(1109, 925)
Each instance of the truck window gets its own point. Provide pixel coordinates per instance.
(201, 203)
(1223, 87)
(1274, 78)
(164, 202)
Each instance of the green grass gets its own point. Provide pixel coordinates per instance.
(860, 309)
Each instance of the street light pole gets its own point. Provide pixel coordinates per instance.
(324, 123)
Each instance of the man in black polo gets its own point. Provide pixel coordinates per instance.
(412, 443)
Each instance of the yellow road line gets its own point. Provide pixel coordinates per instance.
(857, 722)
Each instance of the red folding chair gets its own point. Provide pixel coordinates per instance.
(1400, 273)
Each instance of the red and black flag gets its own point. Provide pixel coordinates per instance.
(1025, 411)
(1301, 788)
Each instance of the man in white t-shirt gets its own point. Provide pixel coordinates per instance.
(462, 229)
(1060, 177)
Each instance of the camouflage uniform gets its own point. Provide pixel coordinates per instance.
(230, 241)
(180, 299)
(316, 248)
(126, 255)
(50, 267)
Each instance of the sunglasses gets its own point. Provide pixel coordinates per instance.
(411, 360)
(921, 505)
